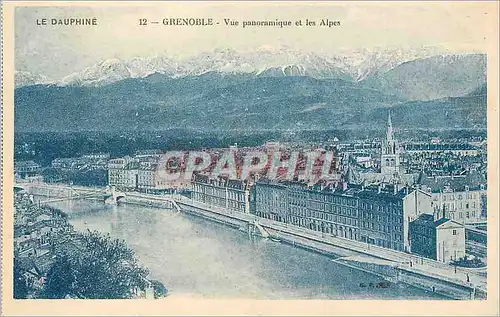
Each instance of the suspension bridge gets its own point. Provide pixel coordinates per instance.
(60, 193)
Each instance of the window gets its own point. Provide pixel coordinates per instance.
(454, 232)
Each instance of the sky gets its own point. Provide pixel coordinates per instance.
(57, 51)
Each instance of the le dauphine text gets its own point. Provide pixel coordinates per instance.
(73, 21)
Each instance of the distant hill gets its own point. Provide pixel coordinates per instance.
(433, 78)
(221, 101)
(480, 91)
(466, 112)
(264, 89)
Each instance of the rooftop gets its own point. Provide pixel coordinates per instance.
(439, 147)
(472, 181)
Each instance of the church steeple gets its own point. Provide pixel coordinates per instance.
(389, 128)
(389, 160)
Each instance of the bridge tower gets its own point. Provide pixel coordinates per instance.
(114, 195)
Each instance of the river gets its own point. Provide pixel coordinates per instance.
(194, 257)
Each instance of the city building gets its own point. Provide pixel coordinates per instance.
(462, 149)
(461, 197)
(122, 173)
(26, 169)
(147, 176)
(64, 163)
(361, 146)
(384, 215)
(83, 163)
(96, 156)
(221, 191)
(377, 216)
(440, 239)
(365, 161)
(142, 174)
(155, 153)
(272, 146)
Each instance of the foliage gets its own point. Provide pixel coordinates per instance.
(160, 289)
(87, 177)
(60, 279)
(94, 266)
(20, 288)
(54, 175)
(95, 177)
(56, 212)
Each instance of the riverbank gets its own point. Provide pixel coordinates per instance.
(386, 264)
(392, 265)
(195, 255)
(396, 266)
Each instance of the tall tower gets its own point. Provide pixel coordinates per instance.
(389, 160)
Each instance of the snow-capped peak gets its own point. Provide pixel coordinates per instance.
(265, 60)
(24, 78)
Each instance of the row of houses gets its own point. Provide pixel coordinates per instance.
(391, 217)
(26, 170)
(87, 161)
(34, 226)
(462, 149)
(462, 198)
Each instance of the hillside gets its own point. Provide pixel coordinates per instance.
(433, 78)
(215, 101)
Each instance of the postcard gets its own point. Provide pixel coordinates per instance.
(250, 158)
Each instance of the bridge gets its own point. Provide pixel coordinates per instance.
(59, 193)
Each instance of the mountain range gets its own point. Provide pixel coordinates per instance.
(352, 65)
(264, 89)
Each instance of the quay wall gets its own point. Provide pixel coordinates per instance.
(139, 201)
(233, 222)
(389, 270)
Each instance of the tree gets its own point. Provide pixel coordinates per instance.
(54, 175)
(60, 279)
(96, 177)
(159, 289)
(20, 288)
(95, 267)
